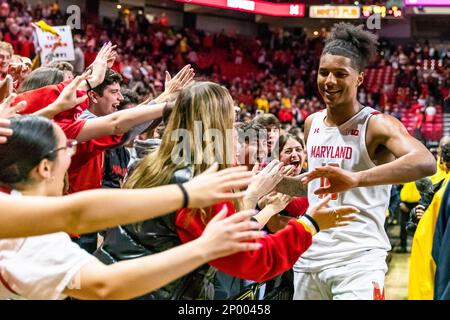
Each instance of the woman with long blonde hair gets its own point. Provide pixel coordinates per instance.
(200, 132)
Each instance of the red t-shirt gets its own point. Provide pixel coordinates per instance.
(278, 254)
(285, 116)
(86, 170)
(40, 98)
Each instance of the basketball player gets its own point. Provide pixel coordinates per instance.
(364, 152)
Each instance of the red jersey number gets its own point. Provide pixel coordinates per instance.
(324, 182)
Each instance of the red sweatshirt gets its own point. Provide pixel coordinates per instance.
(279, 252)
(298, 206)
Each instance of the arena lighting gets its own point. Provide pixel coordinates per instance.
(437, 3)
(383, 11)
(254, 6)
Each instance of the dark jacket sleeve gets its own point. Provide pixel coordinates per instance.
(440, 251)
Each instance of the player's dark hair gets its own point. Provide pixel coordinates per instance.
(352, 42)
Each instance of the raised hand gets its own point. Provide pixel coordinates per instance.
(331, 217)
(263, 182)
(104, 58)
(289, 171)
(4, 130)
(278, 202)
(182, 79)
(213, 186)
(173, 86)
(224, 236)
(68, 99)
(6, 112)
(6, 87)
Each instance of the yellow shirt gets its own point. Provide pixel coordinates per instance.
(183, 45)
(440, 172)
(409, 193)
(262, 104)
(286, 102)
(422, 267)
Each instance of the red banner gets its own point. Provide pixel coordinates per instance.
(257, 7)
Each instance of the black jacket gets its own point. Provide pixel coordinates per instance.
(425, 201)
(153, 236)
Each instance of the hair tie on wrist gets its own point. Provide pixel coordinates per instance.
(185, 195)
(89, 85)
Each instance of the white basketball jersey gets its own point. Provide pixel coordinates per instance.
(345, 146)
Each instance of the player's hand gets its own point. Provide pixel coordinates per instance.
(340, 180)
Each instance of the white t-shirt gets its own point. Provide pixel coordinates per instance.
(39, 267)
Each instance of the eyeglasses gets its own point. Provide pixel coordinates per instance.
(71, 147)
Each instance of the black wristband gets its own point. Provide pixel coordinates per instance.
(185, 195)
(307, 216)
(89, 85)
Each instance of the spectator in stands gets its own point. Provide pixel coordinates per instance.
(273, 127)
(116, 160)
(78, 62)
(41, 77)
(430, 113)
(6, 53)
(65, 67)
(285, 115)
(253, 144)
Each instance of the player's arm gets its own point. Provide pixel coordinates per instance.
(412, 160)
(292, 185)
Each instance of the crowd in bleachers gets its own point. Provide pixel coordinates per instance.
(275, 72)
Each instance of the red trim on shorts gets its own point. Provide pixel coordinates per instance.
(378, 294)
(6, 285)
(375, 112)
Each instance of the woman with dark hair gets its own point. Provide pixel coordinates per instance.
(33, 162)
(357, 153)
(291, 154)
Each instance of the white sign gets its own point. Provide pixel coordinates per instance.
(54, 48)
(334, 12)
(294, 10)
(241, 4)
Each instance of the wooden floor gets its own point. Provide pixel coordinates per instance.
(396, 283)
